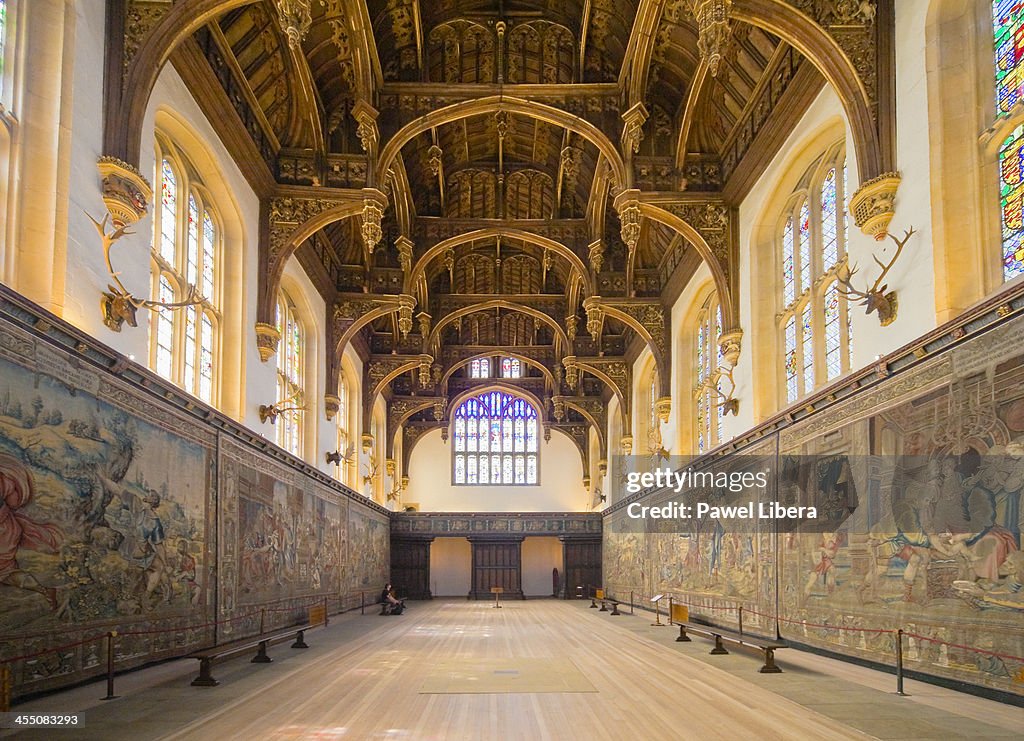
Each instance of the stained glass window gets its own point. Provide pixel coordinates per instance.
(708, 411)
(1011, 186)
(814, 319)
(805, 247)
(495, 441)
(165, 330)
(290, 371)
(788, 263)
(511, 368)
(3, 43)
(1008, 21)
(185, 252)
(480, 368)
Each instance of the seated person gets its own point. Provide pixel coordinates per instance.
(391, 604)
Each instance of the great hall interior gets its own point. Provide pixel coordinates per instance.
(300, 298)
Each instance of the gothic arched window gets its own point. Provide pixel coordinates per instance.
(708, 413)
(3, 47)
(495, 441)
(814, 317)
(291, 362)
(480, 368)
(511, 368)
(187, 243)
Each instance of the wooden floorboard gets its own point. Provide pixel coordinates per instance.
(369, 687)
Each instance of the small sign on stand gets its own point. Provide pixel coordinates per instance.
(656, 599)
(497, 592)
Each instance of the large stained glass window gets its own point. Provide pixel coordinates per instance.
(3, 44)
(708, 413)
(1008, 20)
(495, 441)
(814, 321)
(290, 372)
(186, 243)
(1011, 187)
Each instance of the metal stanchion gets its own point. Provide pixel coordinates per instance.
(741, 619)
(362, 604)
(110, 666)
(325, 613)
(899, 663)
(630, 603)
(263, 614)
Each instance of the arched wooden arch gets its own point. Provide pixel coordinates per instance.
(419, 269)
(122, 136)
(435, 334)
(660, 361)
(624, 405)
(669, 219)
(269, 278)
(493, 104)
(504, 353)
(370, 398)
(814, 42)
(593, 422)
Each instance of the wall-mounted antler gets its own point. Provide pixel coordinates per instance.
(371, 471)
(118, 304)
(876, 298)
(270, 411)
(729, 404)
(337, 458)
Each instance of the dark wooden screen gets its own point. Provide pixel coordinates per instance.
(582, 562)
(497, 563)
(410, 567)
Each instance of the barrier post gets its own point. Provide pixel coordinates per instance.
(670, 611)
(110, 666)
(5, 688)
(263, 612)
(631, 603)
(899, 663)
(325, 613)
(741, 619)
(362, 603)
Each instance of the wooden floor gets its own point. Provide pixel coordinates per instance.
(370, 687)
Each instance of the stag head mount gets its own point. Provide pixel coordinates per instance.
(336, 457)
(118, 305)
(877, 297)
(270, 412)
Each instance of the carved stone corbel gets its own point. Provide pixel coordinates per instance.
(267, 339)
(713, 30)
(663, 408)
(627, 203)
(426, 361)
(571, 323)
(572, 376)
(332, 404)
(730, 344)
(126, 193)
(558, 407)
(367, 442)
(873, 204)
(626, 444)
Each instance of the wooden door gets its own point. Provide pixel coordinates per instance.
(410, 567)
(582, 562)
(497, 563)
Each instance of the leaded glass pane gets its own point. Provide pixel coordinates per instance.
(807, 341)
(3, 41)
(209, 245)
(792, 389)
(206, 358)
(1011, 187)
(485, 470)
(507, 476)
(460, 434)
(805, 247)
(788, 264)
(191, 347)
(460, 469)
(471, 437)
(531, 469)
(829, 222)
(471, 473)
(519, 436)
(531, 435)
(168, 213)
(165, 330)
(192, 243)
(491, 432)
(833, 333)
(1008, 22)
(520, 470)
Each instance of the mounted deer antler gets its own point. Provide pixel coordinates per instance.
(118, 304)
(876, 298)
(270, 411)
(337, 458)
(371, 471)
(729, 404)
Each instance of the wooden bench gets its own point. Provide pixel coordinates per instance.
(766, 645)
(207, 657)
